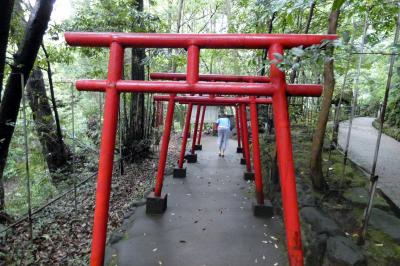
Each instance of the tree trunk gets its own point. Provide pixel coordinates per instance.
(179, 19)
(137, 109)
(178, 29)
(133, 139)
(329, 85)
(23, 63)
(54, 150)
(53, 98)
(293, 74)
(6, 8)
(265, 51)
(169, 50)
(263, 109)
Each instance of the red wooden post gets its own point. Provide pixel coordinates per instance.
(192, 69)
(160, 114)
(196, 127)
(243, 159)
(193, 55)
(164, 146)
(106, 156)
(256, 151)
(239, 147)
(285, 161)
(201, 124)
(245, 138)
(185, 135)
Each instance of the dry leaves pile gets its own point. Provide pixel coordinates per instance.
(62, 235)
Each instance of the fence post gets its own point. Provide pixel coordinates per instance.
(373, 177)
(28, 178)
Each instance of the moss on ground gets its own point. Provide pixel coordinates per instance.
(380, 249)
(391, 131)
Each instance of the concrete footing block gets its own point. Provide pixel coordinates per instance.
(248, 176)
(191, 158)
(243, 161)
(239, 150)
(179, 173)
(156, 205)
(198, 147)
(263, 210)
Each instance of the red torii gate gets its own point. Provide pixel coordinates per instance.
(113, 85)
(313, 91)
(191, 158)
(230, 101)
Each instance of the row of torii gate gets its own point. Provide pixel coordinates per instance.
(246, 90)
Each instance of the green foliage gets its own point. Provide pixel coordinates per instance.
(337, 4)
(202, 16)
(16, 176)
(207, 16)
(381, 249)
(109, 15)
(392, 131)
(393, 109)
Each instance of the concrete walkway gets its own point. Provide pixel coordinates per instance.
(361, 150)
(208, 221)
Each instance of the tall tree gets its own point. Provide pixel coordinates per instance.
(54, 150)
(108, 15)
(6, 7)
(179, 20)
(293, 74)
(134, 141)
(329, 85)
(22, 65)
(178, 30)
(52, 95)
(265, 51)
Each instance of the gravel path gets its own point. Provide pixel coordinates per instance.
(361, 150)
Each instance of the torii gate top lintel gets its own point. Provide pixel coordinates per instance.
(212, 41)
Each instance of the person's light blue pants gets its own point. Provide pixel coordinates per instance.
(223, 136)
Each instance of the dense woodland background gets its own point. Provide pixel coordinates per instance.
(50, 133)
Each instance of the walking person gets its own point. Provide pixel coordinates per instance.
(224, 130)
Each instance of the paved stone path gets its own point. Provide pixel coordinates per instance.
(361, 150)
(208, 221)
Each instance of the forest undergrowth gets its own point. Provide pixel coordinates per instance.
(62, 234)
(344, 199)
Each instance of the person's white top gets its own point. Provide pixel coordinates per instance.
(224, 122)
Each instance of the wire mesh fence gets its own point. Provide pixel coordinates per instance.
(28, 182)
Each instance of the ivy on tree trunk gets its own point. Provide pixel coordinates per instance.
(54, 150)
(135, 142)
(5, 19)
(23, 63)
(329, 85)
